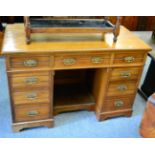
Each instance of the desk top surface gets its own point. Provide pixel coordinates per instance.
(15, 42)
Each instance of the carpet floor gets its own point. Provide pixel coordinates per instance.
(81, 124)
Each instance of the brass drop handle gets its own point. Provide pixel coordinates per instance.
(119, 103)
(33, 113)
(122, 88)
(125, 74)
(31, 80)
(31, 96)
(96, 60)
(69, 61)
(129, 59)
(30, 63)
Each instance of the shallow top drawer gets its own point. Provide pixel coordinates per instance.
(121, 88)
(27, 62)
(82, 61)
(129, 58)
(30, 80)
(126, 73)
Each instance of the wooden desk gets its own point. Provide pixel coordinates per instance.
(58, 73)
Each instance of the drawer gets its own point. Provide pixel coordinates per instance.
(82, 61)
(31, 112)
(122, 88)
(125, 73)
(29, 80)
(28, 97)
(118, 103)
(27, 62)
(129, 58)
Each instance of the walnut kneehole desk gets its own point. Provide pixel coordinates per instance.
(58, 73)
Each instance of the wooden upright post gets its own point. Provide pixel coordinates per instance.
(117, 29)
(27, 29)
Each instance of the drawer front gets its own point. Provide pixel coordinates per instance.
(28, 97)
(122, 88)
(129, 58)
(31, 112)
(29, 62)
(29, 80)
(125, 73)
(80, 61)
(117, 103)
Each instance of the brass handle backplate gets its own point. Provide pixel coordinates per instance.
(69, 61)
(122, 88)
(30, 63)
(31, 80)
(125, 74)
(33, 113)
(119, 103)
(31, 96)
(129, 59)
(96, 60)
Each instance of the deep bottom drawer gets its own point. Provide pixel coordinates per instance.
(32, 112)
(118, 103)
